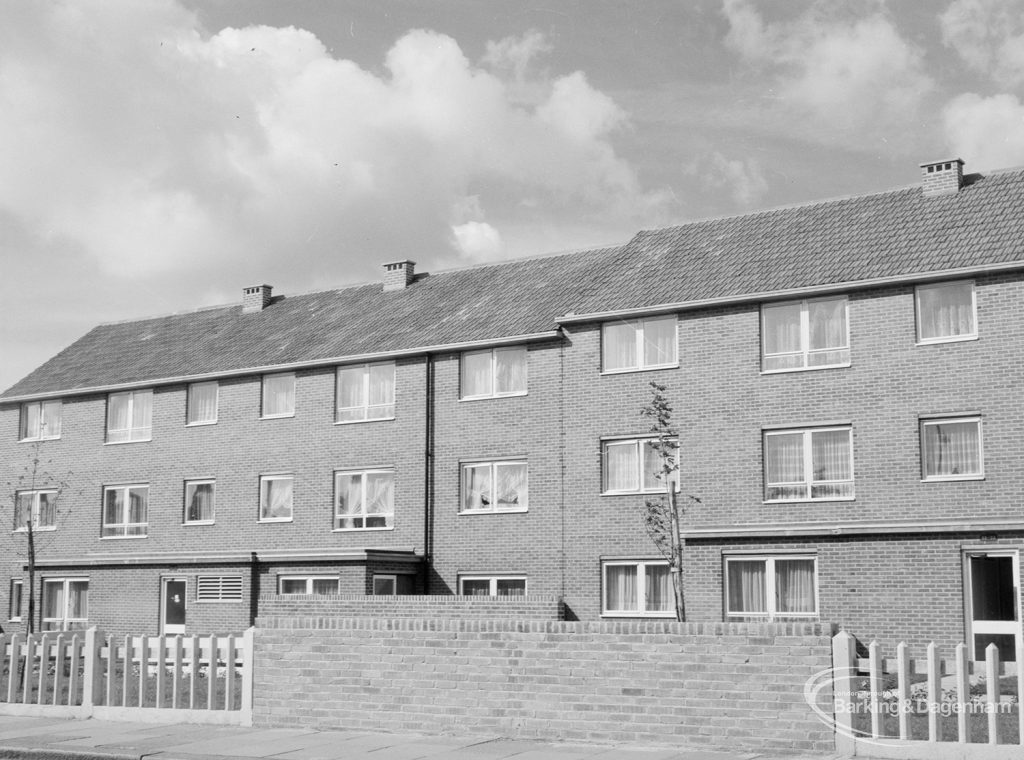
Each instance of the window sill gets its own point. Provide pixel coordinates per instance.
(636, 614)
(48, 529)
(121, 538)
(494, 396)
(38, 440)
(639, 369)
(277, 416)
(219, 601)
(805, 369)
(660, 491)
(197, 523)
(276, 520)
(940, 341)
(15, 620)
(517, 511)
(952, 478)
(360, 530)
(763, 617)
(133, 440)
(201, 424)
(360, 422)
(808, 500)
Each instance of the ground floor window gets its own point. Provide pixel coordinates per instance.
(393, 584)
(768, 587)
(635, 588)
(65, 603)
(492, 585)
(14, 600)
(307, 584)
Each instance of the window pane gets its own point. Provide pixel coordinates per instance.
(325, 585)
(349, 495)
(78, 600)
(510, 485)
(198, 502)
(952, 448)
(383, 585)
(278, 395)
(142, 414)
(276, 501)
(784, 464)
(510, 370)
(654, 478)
(830, 455)
(202, 402)
(23, 510)
(380, 499)
(511, 586)
(476, 587)
(382, 391)
(117, 416)
(50, 425)
(476, 374)
(794, 585)
(827, 324)
(477, 486)
(620, 588)
(47, 517)
(781, 326)
(30, 420)
(113, 508)
(351, 392)
(621, 466)
(659, 337)
(618, 345)
(747, 593)
(293, 586)
(658, 589)
(946, 311)
(53, 600)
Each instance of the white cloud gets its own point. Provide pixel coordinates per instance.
(848, 72)
(138, 137)
(988, 130)
(743, 179)
(989, 36)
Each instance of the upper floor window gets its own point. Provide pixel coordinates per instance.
(125, 511)
(768, 587)
(951, 449)
(495, 486)
(199, 501)
(38, 506)
(40, 420)
(279, 395)
(946, 311)
(276, 498)
(634, 344)
(201, 406)
(366, 392)
(634, 466)
(492, 585)
(810, 334)
(130, 416)
(494, 372)
(65, 603)
(364, 499)
(638, 588)
(808, 465)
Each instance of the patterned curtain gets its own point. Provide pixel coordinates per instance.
(510, 485)
(477, 486)
(380, 499)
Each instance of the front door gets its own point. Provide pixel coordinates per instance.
(173, 615)
(993, 603)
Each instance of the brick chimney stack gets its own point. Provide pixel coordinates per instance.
(255, 298)
(398, 275)
(942, 177)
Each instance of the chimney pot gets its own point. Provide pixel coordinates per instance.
(398, 275)
(255, 298)
(942, 177)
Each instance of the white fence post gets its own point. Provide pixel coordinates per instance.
(963, 692)
(875, 681)
(934, 691)
(992, 691)
(91, 674)
(903, 688)
(844, 665)
(12, 670)
(248, 671)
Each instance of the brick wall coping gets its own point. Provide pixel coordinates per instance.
(440, 600)
(478, 625)
(774, 530)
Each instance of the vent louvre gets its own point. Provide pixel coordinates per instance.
(219, 588)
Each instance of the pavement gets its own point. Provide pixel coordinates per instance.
(26, 738)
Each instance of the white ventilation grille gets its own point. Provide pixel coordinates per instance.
(219, 588)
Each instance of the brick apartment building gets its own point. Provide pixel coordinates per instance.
(846, 377)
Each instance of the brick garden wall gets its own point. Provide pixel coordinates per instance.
(357, 605)
(728, 685)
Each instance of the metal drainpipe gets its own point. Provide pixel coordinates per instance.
(428, 473)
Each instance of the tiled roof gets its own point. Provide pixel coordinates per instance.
(893, 234)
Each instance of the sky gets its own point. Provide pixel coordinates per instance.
(159, 156)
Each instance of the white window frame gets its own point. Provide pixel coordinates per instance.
(135, 434)
(805, 336)
(126, 506)
(641, 457)
(808, 453)
(47, 431)
(493, 580)
(770, 592)
(639, 326)
(291, 512)
(921, 341)
(34, 510)
(953, 418)
(219, 589)
(308, 579)
(366, 405)
(493, 353)
(184, 513)
(494, 464)
(14, 610)
(389, 518)
(189, 422)
(641, 591)
(65, 622)
(263, 396)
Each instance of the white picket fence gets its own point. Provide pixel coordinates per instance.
(921, 698)
(196, 679)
